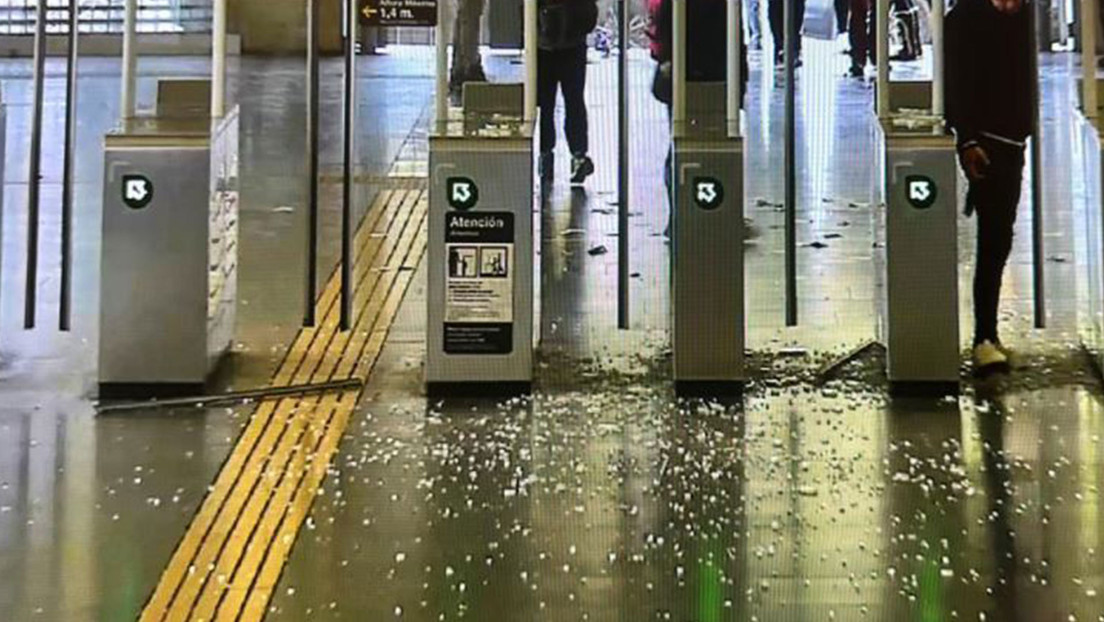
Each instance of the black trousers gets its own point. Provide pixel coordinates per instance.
(995, 200)
(860, 33)
(563, 70)
(843, 15)
(778, 26)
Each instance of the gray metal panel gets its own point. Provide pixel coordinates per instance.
(484, 98)
(502, 168)
(222, 231)
(153, 300)
(708, 332)
(1090, 246)
(183, 97)
(505, 24)
(922, 325)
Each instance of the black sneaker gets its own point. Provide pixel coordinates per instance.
(547, 165)
(581, 168)
(856, 71)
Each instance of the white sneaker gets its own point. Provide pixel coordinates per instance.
(988, 357)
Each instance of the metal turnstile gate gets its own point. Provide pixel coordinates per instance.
(708, 332)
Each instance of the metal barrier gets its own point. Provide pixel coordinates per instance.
(480, 333)
(707, 268)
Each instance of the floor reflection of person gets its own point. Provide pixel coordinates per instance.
(563, 27)
(989, 106)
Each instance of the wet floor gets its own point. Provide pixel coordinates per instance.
(601, 496)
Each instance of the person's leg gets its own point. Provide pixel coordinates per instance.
(775, 15)
(995, 200)
(859, 35)
(574, 90)
(843, 15)
(546, 98)
(754, 27)
(799, 24)
(573, 82)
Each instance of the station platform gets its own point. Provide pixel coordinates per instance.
(599, 497)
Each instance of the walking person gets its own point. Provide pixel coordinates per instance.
(860, 34)
(755, 27)
(989, 106)
(706, 56)
(907, 13)
(563, 27)
(777, 10)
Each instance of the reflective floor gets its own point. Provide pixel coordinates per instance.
(601, 497)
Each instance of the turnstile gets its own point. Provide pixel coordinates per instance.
(920, 315)
(480, 332)
(707, 271)
(1090, 242)
(168, 288)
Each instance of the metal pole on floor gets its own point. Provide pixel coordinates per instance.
(1038, 250)
(34, 178)
(623, 274)
(130, 58)
(66, 298)
(790, 41)
(1089, 94)
(733, 67)
(939, 59)
(218, 60)
(530, 60)
(313, 80)
(347, 172)
(678, 65)
(881, 51)
(442, 93)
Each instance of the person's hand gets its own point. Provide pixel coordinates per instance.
(975, 161)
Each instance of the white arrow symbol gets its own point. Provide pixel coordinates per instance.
(461, 193)
(707, 192)
(136, 190)
(919, 190)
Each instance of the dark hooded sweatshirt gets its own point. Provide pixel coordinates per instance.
(565, 24)
(988, 73)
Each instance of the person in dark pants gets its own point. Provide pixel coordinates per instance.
(860, 34)
(777, 10)
(989, 106)
(706, 55)
(843, 15)
(563, 26)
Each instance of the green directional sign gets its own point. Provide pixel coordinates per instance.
(921, 191)
(708, 192)
(137, 191)
(463, 194)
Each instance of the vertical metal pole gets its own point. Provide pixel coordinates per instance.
(130, 58)
(1038, 257)
(218, 60)
(678, 64)
(1088, 59)
(791, 163)
(881, 49)
(530, 61)
(347, 172)
(313, 80)
(34, 177)
(623, 273)
(66, 298)
(939, 60)
(733, 67)
(442, 33)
